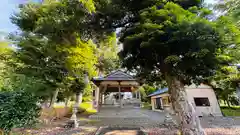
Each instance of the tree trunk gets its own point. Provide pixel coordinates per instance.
(189, 122)
(238, 92)
(225, 102)
(54, 98)
(66, 101)
(228, 104)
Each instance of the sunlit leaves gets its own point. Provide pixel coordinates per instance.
(173, 39)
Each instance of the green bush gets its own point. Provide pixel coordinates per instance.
(147, 105)
(18, 109)
(233, 111)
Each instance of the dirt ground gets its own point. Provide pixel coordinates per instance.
(90, 126)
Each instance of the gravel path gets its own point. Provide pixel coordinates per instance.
(150, 122)
(153, 122)
(130, 117)
(209, 131)
(220, 122)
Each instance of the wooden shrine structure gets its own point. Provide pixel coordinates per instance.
(116, 81)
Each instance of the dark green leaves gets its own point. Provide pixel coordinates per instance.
(18, 109)
(173, 40)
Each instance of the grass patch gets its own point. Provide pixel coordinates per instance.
(233, 111)
(86, 105)
(147, 105)
(85, 108)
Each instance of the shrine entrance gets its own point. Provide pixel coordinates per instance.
(118, 89)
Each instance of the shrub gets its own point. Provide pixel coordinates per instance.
(18, 109)
(147, 105)
(234, 111)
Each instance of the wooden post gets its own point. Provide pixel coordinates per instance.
(152, 103)
(119, 95)
(161, 102)
(103, 98)
(93, 98)
(97, 98)
(139, 95)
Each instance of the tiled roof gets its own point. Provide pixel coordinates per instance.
(158, 92)
(115, 76)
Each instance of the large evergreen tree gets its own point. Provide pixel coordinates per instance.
(51, 46)
(180, 46)
(161, 39)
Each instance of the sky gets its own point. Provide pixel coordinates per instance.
(8, 7)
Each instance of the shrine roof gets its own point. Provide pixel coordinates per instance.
(117, 75)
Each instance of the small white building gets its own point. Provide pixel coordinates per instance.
(202, 97)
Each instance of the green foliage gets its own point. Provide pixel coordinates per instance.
(234, 111)
(50, 50)
(174, 41)
(114, 14)
(108, 59)
(146, 90)
(18, 109)
(147, 105)
(39, 68)
(5, 53)
(224, 82)
(52, 19)
(230, 8)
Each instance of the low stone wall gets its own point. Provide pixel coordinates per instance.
(49, 114)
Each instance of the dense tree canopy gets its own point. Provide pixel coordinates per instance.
(18, 109)
(107, 55)
(55, 45)
(52, 51)
(182, 46)
(172, 41)
(227, 77)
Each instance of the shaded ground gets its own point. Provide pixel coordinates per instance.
(116, 120)
(119, 131)
(127, 117)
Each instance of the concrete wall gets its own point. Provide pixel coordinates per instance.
(204, 91)
(153, 99)
(194, 91)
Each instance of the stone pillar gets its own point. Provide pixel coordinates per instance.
(161, 102)
(120, 95)
(93, 98)
(139, 95)
(97, 99)
(152, 103)
(103, 99)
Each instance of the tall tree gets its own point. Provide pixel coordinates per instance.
(5, 57)
(160, 38)
(229, 8)
(52, 19)
(178, 45)
(231, 12)
(107, 53)
(51, 49)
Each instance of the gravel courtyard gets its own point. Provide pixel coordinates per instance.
(132, 121)
(127, 117)
(153, 122)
